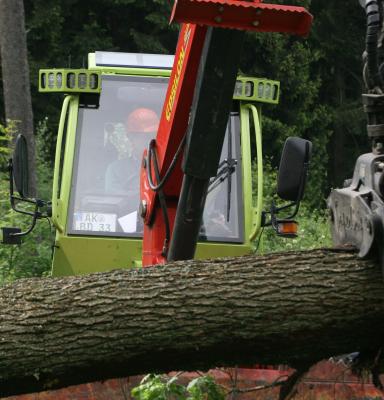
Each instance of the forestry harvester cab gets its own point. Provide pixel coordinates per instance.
(154, 152)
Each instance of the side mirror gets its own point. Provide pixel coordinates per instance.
(19, 177)
(293, 169)
(20, 166)
(291, 181)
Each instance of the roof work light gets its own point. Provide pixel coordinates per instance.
(69, 81)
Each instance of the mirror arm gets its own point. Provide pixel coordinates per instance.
(296, 210)
(275, 210)
(30, 229)
(278, 209)
(13, 235)
(37, 203)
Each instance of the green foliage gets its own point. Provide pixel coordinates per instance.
(5, 138)
(159, 387)
(300, 113)
(205, 388)
(33, 257)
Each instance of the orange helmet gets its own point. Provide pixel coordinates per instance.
(142, 120)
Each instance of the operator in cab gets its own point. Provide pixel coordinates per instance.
(123, 174)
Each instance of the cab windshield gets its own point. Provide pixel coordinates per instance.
(110, 141)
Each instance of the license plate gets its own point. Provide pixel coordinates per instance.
(94, 222)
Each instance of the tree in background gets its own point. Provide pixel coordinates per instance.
(339, 36)
(15, 76)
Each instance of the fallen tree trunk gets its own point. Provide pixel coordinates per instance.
(292, 308)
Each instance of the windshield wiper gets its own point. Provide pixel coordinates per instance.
(225, 170)
(228, 167)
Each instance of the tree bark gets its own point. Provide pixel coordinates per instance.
(15, 74)
(289, 308)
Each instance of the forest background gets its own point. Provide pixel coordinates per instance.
(320, 100)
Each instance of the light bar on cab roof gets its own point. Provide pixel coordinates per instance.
(256, 89)
(69, 81)
(89, 81)
(133, 60)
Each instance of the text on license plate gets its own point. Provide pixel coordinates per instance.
(95, 222)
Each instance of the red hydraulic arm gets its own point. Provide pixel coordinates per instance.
(194, 117)
(172, 128)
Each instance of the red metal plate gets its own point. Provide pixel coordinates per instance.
(246, 15)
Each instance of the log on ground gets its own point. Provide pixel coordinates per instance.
(284, 308)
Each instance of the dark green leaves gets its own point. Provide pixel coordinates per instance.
(158, 387)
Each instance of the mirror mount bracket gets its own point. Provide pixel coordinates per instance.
(275, 210)
(274, 220)
(13, 235)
